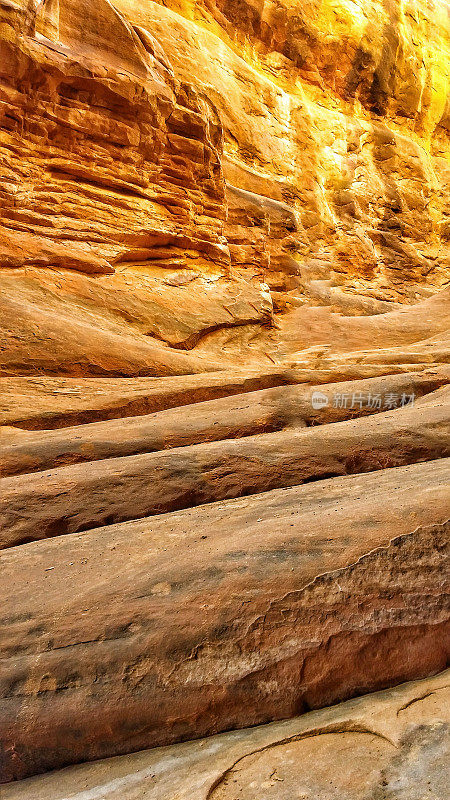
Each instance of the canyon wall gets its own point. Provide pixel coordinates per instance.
(235, 160)
(224, 369)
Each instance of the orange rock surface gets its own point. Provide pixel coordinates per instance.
(224, 378)
(233, 162)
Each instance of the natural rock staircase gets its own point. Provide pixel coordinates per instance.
(146, 601)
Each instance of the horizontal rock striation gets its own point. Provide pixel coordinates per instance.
(268, 410)
(105, 134)
(341, 114)
(224, 415)
(76, 498)
(221, 616)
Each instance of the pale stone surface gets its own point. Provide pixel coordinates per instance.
(393, 745)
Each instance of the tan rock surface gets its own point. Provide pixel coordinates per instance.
(391, 744)
(210, 211)
(221, 616)
(35, 403)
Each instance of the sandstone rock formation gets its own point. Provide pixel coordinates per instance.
(221, 616)
(220, 150)
(224, 378)
(392, 744)
(269, 410)
(85, 496)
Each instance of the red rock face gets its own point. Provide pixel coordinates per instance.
(106, 144)
(224, 425)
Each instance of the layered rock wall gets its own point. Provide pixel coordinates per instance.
(97, 138)
(257, 191)
(192, 156)
(340, 111)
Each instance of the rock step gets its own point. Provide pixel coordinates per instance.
(83, 496)
(36, 403)
(231, 417)
(47, 402)
(184, 625)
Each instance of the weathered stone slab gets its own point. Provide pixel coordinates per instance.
(223, 616)
(82, 496)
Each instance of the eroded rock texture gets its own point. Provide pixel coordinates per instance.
(223, 615)
(212, 214)
(193, 157)
(393, 744)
